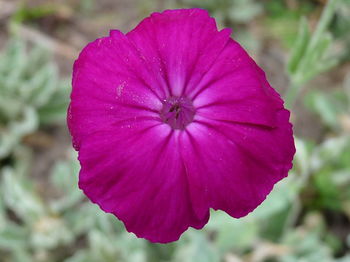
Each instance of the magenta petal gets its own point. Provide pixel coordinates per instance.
(235, 89)
(146, 155)
(180, 45)
(110, 88)
(241, 163)
(172, 119)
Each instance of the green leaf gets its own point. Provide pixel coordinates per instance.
(18, 193)
(329, 151)
(232, 233)
(196, 248)
(278, 200)
(300, 47)
(49, 232)
(55, 110)
(29, 85)
(13, 237)
(65, 178)
(324, 106)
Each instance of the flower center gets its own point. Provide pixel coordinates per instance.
(177, 112)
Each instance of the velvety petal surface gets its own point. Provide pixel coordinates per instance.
(151, 172)
(236, 90)
(241, 162)
(180, 45)
(110, 83)
(139, 176)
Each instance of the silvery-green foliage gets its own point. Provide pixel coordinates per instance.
(30, 226)
(306, 245)
(243, 233)
(333, 107)
(329, 162)
(195, 246)
(240, 11)
(30, 93)
(346, 258)
(311, 54)
(41, 226)
(342, 23)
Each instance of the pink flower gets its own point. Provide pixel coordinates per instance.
(172, 119)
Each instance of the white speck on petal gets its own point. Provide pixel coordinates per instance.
(120, 88)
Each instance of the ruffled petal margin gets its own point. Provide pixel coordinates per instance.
(160, 181)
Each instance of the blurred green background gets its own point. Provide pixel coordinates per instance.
(304, 47)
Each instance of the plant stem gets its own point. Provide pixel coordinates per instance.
(297, 79)
(292, 94)
(323, 23)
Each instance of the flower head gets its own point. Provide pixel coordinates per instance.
(172, 119)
